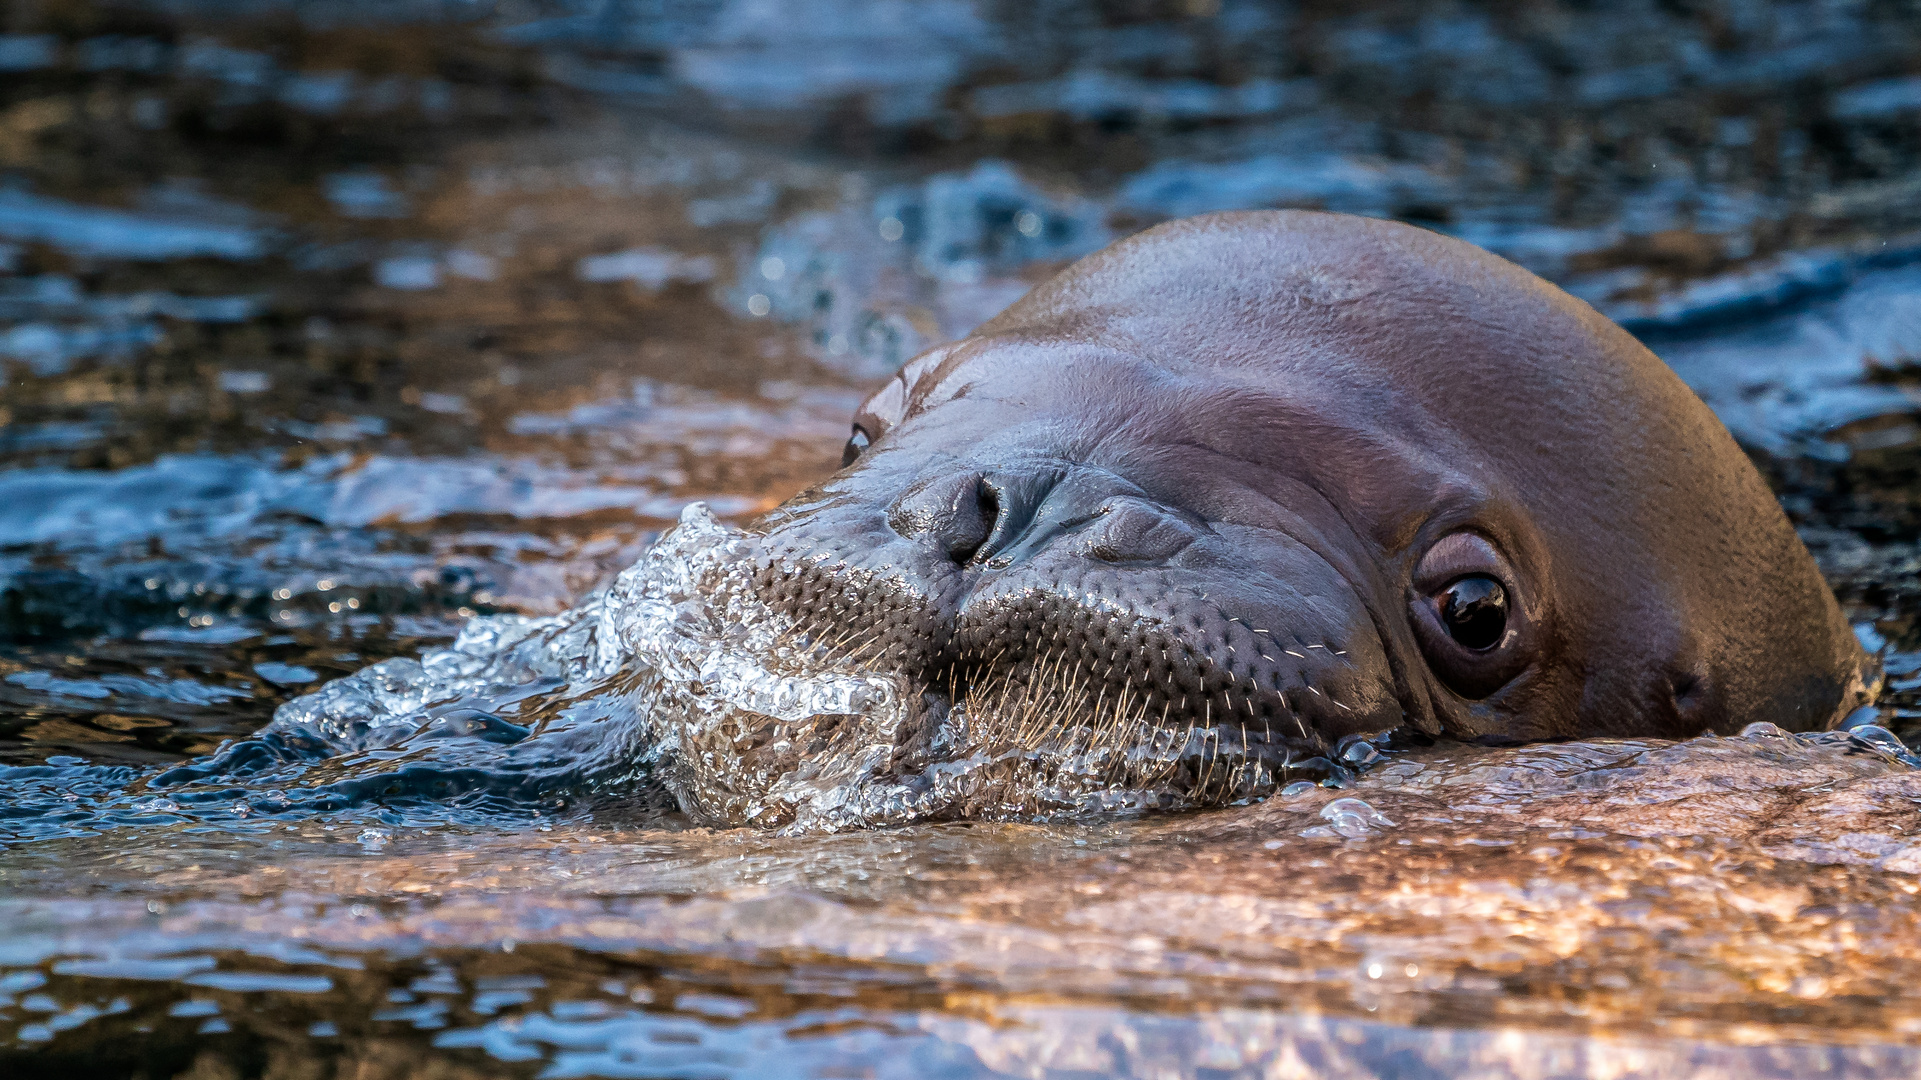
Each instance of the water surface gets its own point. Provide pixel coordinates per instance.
(331, 337)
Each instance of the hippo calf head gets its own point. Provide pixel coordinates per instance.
(1250, 483)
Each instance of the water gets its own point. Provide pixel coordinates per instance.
(1494, 910)
(354, 356)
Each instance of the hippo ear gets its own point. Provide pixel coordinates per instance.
(1473, 620)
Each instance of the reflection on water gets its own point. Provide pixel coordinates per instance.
(330, 326)
(1493, 929)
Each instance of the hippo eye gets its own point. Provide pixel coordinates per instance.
(857, 443)
(1474, 610)
(1472, 615)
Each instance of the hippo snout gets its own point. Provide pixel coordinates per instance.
(1072, 598)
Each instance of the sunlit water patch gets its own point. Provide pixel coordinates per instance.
(1739, 907)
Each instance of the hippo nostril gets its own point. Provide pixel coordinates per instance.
(972, 517)
(986, 516)
(955, 514)
(1009, 503)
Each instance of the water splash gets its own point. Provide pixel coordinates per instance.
(673, 689)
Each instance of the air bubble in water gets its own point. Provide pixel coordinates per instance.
(1880, 740)
(1349, 818)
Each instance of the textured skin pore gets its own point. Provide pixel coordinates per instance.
(1199, 472)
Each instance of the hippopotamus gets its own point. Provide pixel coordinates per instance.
(1285, 478)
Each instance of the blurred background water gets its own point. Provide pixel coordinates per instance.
(327, 324)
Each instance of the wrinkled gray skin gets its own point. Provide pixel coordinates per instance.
(1227, 465)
